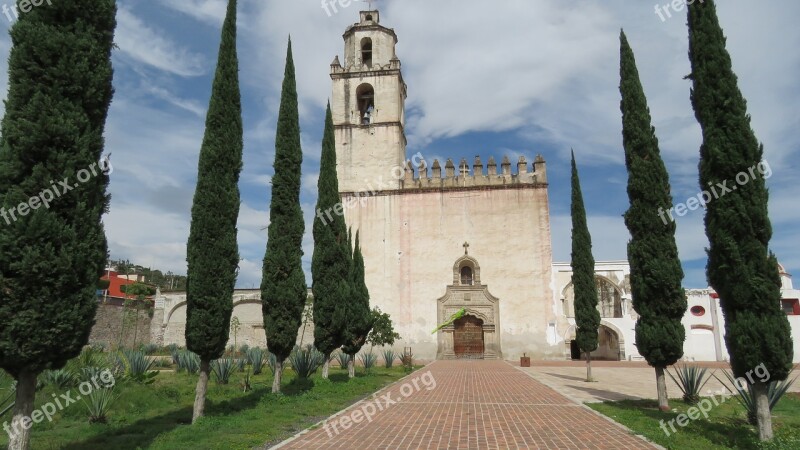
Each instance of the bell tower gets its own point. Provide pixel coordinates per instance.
(368, 108)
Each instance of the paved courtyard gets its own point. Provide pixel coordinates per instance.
(467, 405)
(618, 380)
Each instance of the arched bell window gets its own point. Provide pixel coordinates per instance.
(366, 51)
(466, 276)
(365, 95)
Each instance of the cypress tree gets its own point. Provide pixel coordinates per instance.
(587, 318)
(52, 190)
(359, 316)
(212, 252)
(283, 286)
(330, 265)
(740, 266)
(656, 271)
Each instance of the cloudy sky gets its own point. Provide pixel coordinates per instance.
(515, 77)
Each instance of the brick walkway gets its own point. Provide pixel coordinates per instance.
(474, 405)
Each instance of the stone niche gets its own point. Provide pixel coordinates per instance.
(482, 310)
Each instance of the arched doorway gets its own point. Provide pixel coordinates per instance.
(468, 337)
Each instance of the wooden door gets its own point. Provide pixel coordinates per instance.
(468, 337)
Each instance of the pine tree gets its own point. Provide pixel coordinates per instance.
(330, 265)
(283, 286)
(656, 271)
(740, 266)
(359, 316)
(52, 190)
(212, 252)
(587, 318)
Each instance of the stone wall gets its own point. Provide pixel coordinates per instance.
(111, 331)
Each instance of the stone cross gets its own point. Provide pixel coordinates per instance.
(466, 248)
(369, 2)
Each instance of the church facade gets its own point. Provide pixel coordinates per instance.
(438, 237)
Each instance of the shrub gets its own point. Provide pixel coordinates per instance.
(149, 349)
(690, 379)
(89, 357)
(306, 361)
(368, 360)
(343, 358)
(745, 397)
(272, 360)
(407, 359)
(60, 379)
(388, 358)
(223, 368)
(138, 367)
(99, 403)
(256, 358)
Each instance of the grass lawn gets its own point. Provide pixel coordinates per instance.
(158, 416)
(726, 426)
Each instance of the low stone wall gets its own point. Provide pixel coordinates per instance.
(117, 326)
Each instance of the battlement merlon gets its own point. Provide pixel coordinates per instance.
(477, 177)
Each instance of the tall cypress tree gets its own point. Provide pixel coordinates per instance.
(212, 252)
(656, 271)
(330, 265)
(52, 190)
(359, 316)
(587, 317)
(740, 266)
(283, 286)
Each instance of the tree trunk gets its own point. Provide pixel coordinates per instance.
(26, 392)
(276, 381)
(325, 367)
(661, 385)
(200, 392)
(351, 366)
(589, 367)
(763, 413)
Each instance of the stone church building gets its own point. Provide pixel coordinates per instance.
(439, 236)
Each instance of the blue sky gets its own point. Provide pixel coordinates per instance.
(517, 77)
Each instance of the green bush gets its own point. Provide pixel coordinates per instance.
(306, 361)
(690, 379)
(60, 379)
(343, 359)
(139, 367)
(99, 403)
(188, 361)
(388, 358)
(368, 360)
(407, 359)
(149, 349)
(745, 397)
(256, 358)
(223, 368)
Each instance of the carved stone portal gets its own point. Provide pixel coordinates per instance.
(462, 339)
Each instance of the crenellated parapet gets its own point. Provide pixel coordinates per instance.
(424, 177)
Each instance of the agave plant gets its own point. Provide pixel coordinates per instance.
(149, 349)
(407, 359)
(240, 364)
(139, 367)
(368, 360)
(223, 368)
(747, 399)
(343, 358)
(99, 402)
(60, 379)
(89, 357)
(272, 360)
(306, 361)
(256, 358)
(388, 358)
(690, 379)
(188, 361)
(243, 349)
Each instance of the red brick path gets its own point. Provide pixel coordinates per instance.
(474, 405)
